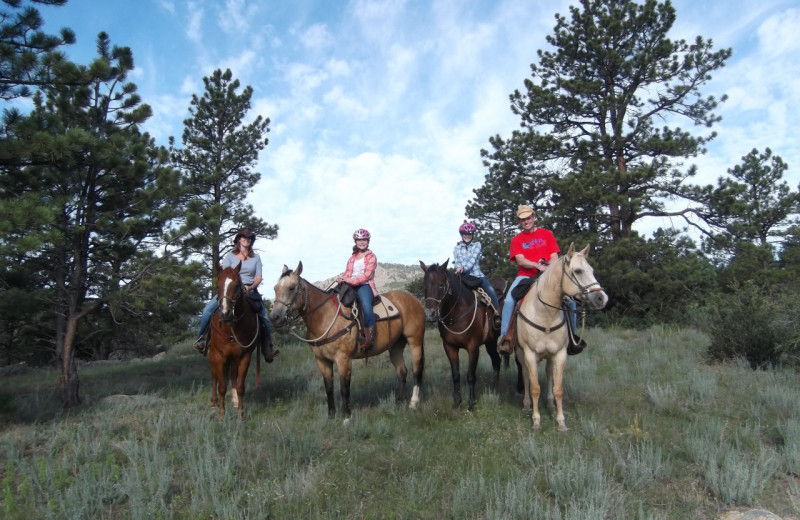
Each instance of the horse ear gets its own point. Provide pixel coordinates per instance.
(571, 250)
(423, 266)
(238, 267)
(299, 268)
(585, 251)
(284, 270)
(217, 267)
(444, 265)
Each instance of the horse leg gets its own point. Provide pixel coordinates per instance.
(533, 375)
(216, 376)
(522, 379)
(417, 366)
(491, 350)
(222, 389)
(558, 388)
(551, 400)
(326, 369)
(473, 352)
(452, 356)
(344, 365)
(396, 356)
(238, 389)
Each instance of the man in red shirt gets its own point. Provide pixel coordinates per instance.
(532, 249)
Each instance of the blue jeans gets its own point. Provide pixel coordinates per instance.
(508, 305)
(490, 291)
(365, 297)
(573, 316)
(212, 306)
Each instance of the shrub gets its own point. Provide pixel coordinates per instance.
(747, 323)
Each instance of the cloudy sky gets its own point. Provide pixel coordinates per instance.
(380, 108)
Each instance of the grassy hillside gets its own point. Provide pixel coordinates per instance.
(654, 433)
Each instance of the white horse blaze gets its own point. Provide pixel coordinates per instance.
(224, 303)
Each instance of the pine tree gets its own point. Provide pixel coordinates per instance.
(107, 193)
(217, 159)
(754, 211)
(589, 114)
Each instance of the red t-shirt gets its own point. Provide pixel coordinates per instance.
(538, 244)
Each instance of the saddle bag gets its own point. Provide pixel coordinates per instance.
(472, 282)
(522, 288)
(254, 299)
(347, 294)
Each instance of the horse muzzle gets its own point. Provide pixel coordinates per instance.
(597, 298)
(432, 315)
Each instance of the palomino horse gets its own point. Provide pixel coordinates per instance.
(332, 336)
(465, 321)
(542, 329)
(233, 338)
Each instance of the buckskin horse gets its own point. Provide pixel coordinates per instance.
(542, 330)
(233, 338)
(333, 336)
(465, 322)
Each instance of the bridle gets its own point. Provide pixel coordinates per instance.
(448, 292)
(232, 302)
(583, 290)
(302, 291)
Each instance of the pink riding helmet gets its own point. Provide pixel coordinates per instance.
(467, 228)
(361, 234)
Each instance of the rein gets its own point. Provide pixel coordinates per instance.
(236, 319)
(583, 290)
(318, 341)
(457, 297)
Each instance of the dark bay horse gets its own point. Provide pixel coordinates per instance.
(465, 322)
(332, 335)
(542, 326)
(233, 338)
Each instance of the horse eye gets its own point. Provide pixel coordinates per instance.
(579, 271)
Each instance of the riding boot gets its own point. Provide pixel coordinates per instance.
(506, 344)
(268, 348)
(201, 343)
(370, 334)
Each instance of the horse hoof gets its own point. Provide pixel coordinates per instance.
(346, 421)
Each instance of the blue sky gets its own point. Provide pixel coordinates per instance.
(379, 109)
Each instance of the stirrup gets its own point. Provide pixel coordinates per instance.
(200, 345)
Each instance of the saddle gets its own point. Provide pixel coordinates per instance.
(382, 307)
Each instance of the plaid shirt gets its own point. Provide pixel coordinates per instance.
(467, 257)
(370, 264)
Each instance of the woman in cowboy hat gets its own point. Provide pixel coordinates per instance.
(250, 274)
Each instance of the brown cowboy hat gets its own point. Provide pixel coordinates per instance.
(244, 232)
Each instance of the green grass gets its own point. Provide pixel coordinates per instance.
(654, 434)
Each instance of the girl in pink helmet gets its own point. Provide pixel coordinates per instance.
(467, 256)
(360, 273)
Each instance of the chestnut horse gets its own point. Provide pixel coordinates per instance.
(332, 335)
(465, 321)
(542, 326)
(234, 337)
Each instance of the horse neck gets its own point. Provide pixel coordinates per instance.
(319, 305)
(548, 288)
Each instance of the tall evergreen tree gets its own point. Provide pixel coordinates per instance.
(589, 114)
(754, 211)
(108, 191)
(217, 159)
